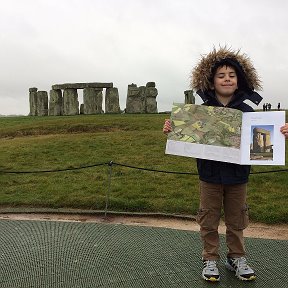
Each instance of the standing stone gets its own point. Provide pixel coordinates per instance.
(151, 94)
(99, 101)
(55, 103)
(261, 141)
(189, 97)
(112, 100)
(33, 101)
(136, 99)
(42, 103)
(70, 102)
(151, 84)
(92, 98)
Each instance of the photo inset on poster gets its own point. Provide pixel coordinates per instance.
(261, 144)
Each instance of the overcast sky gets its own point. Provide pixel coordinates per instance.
(46, 42)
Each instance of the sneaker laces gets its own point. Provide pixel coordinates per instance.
(210, 264)
(241, 263)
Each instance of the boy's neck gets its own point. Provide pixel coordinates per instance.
(224, 100)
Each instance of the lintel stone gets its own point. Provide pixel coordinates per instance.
(82, 85)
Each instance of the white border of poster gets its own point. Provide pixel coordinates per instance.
(272, 120)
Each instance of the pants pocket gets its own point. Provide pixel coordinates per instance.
(244, 218)
(238, 221)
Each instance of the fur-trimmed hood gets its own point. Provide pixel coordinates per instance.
(202, 74)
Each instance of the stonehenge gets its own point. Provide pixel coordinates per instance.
(42, 103)
(92, 100)
(55, 102)
(33, 101)
(189, 97)
(38, 102)
(66, 102)
(82, 85)
(261, 141)
(112, 100)
(142, 99)
(63, 99)
(70, 104)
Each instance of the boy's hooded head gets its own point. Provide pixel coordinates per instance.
(203, 74)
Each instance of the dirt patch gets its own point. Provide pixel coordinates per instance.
(255, 230)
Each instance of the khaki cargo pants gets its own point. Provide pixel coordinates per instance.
(233, 199)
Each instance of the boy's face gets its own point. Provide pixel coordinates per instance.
(225, 81)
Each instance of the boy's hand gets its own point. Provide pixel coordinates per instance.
(167, 126)
(284, 130)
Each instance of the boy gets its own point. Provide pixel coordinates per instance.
(224, 78)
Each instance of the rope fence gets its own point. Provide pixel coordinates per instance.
(110, 166)
(111, 163)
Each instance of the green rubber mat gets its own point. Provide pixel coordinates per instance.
(69, 254)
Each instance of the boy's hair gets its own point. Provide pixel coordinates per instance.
(202, 75)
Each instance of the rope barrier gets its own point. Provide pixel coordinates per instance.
(110, 163)
(154, 170)
(271, 171)
(53, 170)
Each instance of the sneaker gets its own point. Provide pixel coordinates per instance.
(241, 268)
(210, 271)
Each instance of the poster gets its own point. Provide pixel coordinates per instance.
(227, 135)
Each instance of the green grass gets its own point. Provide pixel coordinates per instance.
(51, 143)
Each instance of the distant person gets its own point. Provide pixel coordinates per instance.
(264, 107)
(224, 78)
(269, 106)
(278, 106)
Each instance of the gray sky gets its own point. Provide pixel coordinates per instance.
(46, 42)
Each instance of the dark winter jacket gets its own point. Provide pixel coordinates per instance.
(224, 172)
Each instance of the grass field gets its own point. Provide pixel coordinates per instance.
(30, 144)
